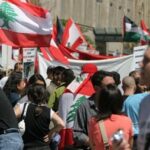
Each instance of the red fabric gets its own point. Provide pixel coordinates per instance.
(65, 52)
(66, 33)
(57, 54)
(23, 39)
(77, 43)
(145, 29)
(45, 53)
(66, 138)
(54, 32)
(88, 56)
(89, 68)
(32, 9)
(36, 65)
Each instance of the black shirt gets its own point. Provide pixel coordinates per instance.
(7, 116)
(36, 126)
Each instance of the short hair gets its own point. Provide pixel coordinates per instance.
(116, 77)
(128, 82)
(68, 76)
(97, 78)
(49, 70)
(34, 78)
(109, 101)
(16, 66)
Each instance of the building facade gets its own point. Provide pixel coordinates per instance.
(101, 14)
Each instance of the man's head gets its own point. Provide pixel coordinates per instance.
(102, 78)
(128, 83)
(49, 72)
(18, 67)
(145, 68)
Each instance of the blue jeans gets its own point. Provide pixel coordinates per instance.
(11, 141)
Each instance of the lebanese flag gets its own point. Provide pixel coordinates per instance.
(71, 37)
(82, 88)
(145, 38)
(24, 24)
(54, 53)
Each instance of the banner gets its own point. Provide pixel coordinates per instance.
(123, 65)
(138, 53)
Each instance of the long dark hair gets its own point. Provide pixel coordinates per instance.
(11, 85)
(109, 101)
(38, 95)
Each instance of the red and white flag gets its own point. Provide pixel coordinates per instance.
(54, 53)
(72, 36)
(145, 38)
(24, 25)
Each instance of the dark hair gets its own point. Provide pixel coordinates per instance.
(34, 78)
(12, 82)
(38, 95)
(68, 76)
(16, 66)
(99, 76)
(57, 74)
(109, 101)
(116, 77)
(49, 70)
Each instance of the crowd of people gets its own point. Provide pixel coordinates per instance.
(75, 112)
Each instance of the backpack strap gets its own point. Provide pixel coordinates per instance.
(24, 110)
(104, 135)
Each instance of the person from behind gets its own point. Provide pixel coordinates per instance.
(37, 120)
(128, 86)
(109, 104)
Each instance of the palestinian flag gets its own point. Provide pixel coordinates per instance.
(132, 33)
(24, 25)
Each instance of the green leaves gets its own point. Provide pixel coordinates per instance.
(7, 14)
(72, 113)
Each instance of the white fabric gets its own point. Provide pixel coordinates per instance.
(123, 65)
(3, 81)
(65, 102)
(24, 20)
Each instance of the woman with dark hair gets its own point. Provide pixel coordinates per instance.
(109, 104)
(35, 79)
(37, 120)
(14, 87)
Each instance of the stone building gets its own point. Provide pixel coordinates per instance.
(105, 16)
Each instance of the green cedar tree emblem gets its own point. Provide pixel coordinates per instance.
(72, 113)
(79, 79)
(7, 14)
